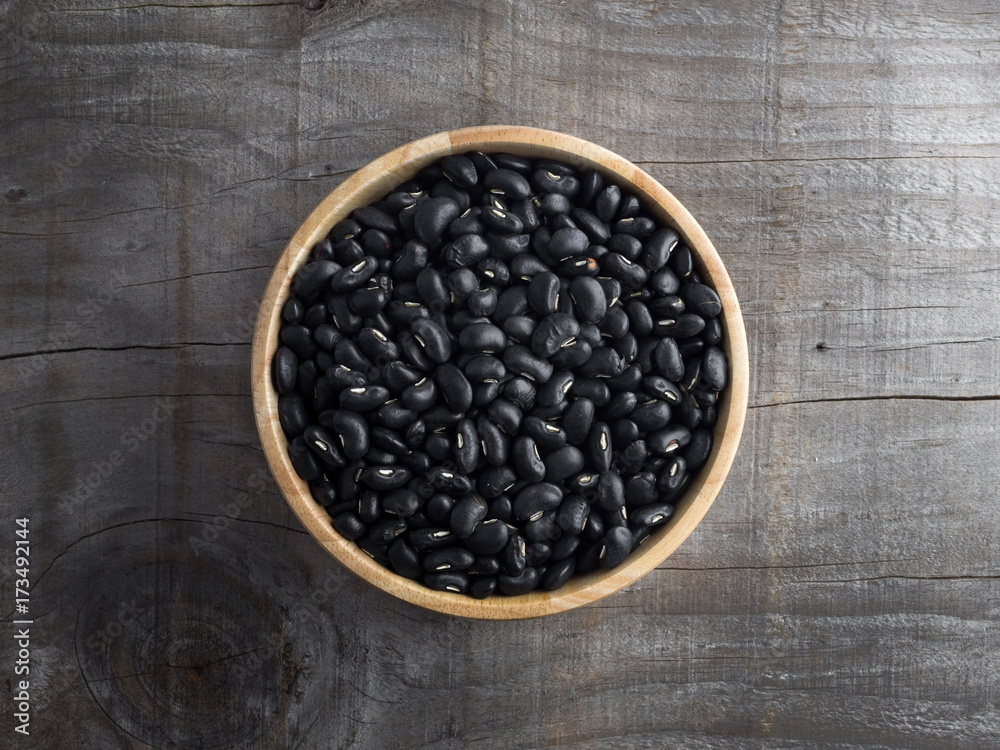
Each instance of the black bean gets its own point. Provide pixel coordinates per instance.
(659, 246)
(640, 321)
(597, 231)
(552, 333)
(699, 448)
(578, 419)
(664, 282)
(558, 573)
(293, 414)
(603, 363)
(299, 339)
(466, 446)
(713, 368)
(432, 537)
(324, 445)
(512, 556)
(350, 526)
(449, 558)
(527, 460)
(314, 278)
(439, 509)
(615, 547)
(535, 499)
(652, 515)
(432, 290)
(488, 538)
(630, 275)
(651, 415)
(383, 478)
(620, 405)
(446, 479)
(482, 338)
(640, 489)
(468, 512)
(633, 455)
(563, 463)
(547, 435)
(599, 446)
(453, 581)
(606, 203)
(483, 302)
(520, 392)
(370, 216)
(304, 460)
(668, 360)
(681, 262)
(493, 481)
(519, 359)
(568, 242)
(591, 301)
(432, 218)
(355, 276)
(293, 310)
(284, 370)
(482, 586)
(551, 182)
(364, 398)
(537, 553)
(386, 531)
(625, 245)
(353, 431)
(610, 490)
(507, 183)
(460, 170)
(495, 444)
(572, 514)
(543, 291)
(615, 322)
(348, 321)
(404, 559)
(628, 207)
(466, 250)
(668, 440)
(592, 389)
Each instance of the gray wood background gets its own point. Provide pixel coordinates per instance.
(844, 156)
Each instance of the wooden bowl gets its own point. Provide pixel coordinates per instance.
(374, 181)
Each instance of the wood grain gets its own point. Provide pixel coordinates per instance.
(844, 590)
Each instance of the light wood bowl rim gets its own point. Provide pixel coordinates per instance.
(373, 181)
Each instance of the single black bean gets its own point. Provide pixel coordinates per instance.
(699, 448)
(651, 415)
(640, 488)
(664, 282)
(398, 375)
(591, 301)
(691, 348)
(620, 405)
(713, 368)
(433, 338)
(299, 339)
(596, 230)
(543, 292)
(527, 460)
(554, 204)
(285, 370)
(488, 538)
(537, 553)
(439, 509)
(558, 574)
(293, 413)
(303, 460)
(432, 218)
(572, 514)
(668, 360)
(548, 436)
(432, 289)
(681, 262)
(521, 360)
(466, 250)
(364, 398)
(384, 478)
(599, 446)
(512, 556)
(468, 512)
(355, 276)
(466, 446)
(552, 333)
(610, 490)
(324, 445)
(404, 559)
(460, 170)
(628, 207)
(522, 583)
(551, 182)
(493, 481)
(653, 514)
(659, 246)
(482, 338)
(432, 537)
(387, 530)
(668, 440)
(348, 321)
(633, 456)
(640, 321)
(563, 463)
(449, 558)
(352, 430)
(568, 242)
(603, 363)
(625, 245)
(615, 322)
(350, 526)
(495, 444)
(470, 222)
(592, 389)
(483, 302)
(452, 581)
(616, 546)
(520, 392)
(420, 396)
(314, 278)
(554, 391)
(536, 498)
(293, 310)
(508, 183)
(578, 419)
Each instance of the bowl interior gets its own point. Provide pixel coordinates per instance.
(373, 182)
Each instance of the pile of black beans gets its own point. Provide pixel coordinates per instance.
(499, 376)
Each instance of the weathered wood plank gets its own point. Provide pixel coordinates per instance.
(843, 591)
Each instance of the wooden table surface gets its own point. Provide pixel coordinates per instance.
(844, 590)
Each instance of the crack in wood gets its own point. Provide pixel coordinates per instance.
(147, 347)
(898, 397)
